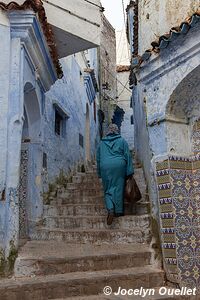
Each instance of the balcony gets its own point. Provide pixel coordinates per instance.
(75, 23)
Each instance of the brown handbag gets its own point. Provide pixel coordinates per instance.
(132, 192)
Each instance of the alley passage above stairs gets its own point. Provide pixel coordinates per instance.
(74, 254)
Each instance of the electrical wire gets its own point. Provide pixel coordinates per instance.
(123, 39)
(123, 6)
(125, 87)
(120, 39)
(124, 49)
(117, 79)
(115, 100)
(92, 3)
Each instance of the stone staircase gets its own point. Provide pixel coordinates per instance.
(73, 254)
(78, 215)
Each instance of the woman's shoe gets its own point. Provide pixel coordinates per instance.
(110, 218)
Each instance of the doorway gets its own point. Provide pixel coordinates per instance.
(30, 203)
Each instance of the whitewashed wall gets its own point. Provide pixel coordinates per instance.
(157, 17)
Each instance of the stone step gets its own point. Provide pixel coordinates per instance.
(93, 200)
(89, 175)
(139, 208)
(81, 193)
(64, 208)
(85, 186)
(79, 283)
(38, 258)
(143, 207)
(84, 179)
(75, 209)
(115, 236)
(96, 222)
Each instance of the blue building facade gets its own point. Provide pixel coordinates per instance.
(48, 125)
(165, 83)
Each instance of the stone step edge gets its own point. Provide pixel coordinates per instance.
(74, 205)
(75, 230)
(100, 217)
(50, 258)
(76, 187)
(84, 276)
(86, 204)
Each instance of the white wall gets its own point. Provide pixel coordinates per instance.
(124, 100)
(122, 48)
(157, 17)
(124, 93)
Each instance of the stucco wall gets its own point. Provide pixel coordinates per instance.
(167, 103)
(122, 48)
(142, 143)
(25, 86)
(75, 24)
(108, 69)
(4, 90)
(170, 88)
(157, 17)
(65, 152)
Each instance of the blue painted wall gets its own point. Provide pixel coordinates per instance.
(23, 84)
(70, 93)
(4, 91)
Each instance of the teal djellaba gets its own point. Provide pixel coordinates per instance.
(114, 165)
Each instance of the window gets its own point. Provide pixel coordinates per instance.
(59, 124)
(81, 140)
(95, 112)
(44, 163)
(61, 117)
(131, 102)
(132, 120)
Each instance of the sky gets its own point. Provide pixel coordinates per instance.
(114, 12)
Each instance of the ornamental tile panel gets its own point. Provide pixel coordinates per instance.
(166, 208)
(162, 165)
(179, 207)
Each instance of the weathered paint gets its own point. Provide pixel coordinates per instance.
(4, 90)
(75, 24)
(160, 83)
(28, 120)
(108, 71)
(70, 93)
(157, 17)
(166, 100)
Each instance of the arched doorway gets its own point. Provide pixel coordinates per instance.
(31, 163)
(182, 110)
(87, 135)
(178, 178)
